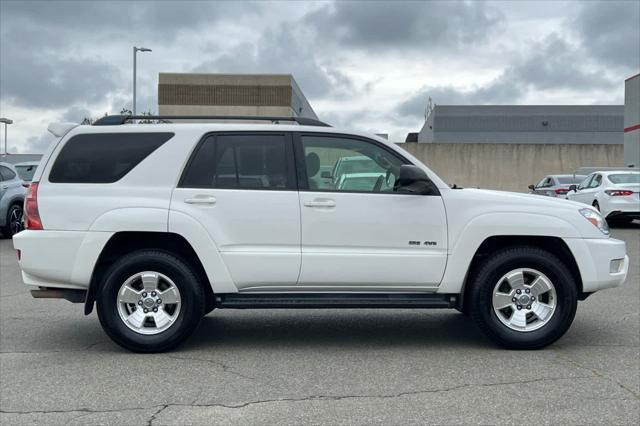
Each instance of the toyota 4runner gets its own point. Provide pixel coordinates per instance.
(158, 224)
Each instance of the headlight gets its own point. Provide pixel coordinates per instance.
(597, 220)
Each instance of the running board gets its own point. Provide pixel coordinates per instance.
(334, 300)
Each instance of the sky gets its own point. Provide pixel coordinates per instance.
(368, 66)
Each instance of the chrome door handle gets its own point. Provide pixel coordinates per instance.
(201, 200)
(320, 203)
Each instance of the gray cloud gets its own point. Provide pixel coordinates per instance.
(552, 64)
(610, 32)
(284, 50)
(430, 25)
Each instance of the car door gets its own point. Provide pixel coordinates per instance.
(365, 236)
(242, 188)
(580, 195)
(588, 194)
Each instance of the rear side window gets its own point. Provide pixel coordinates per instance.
(6, 173)
(242, 161)
(103, 157)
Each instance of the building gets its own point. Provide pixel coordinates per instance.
(632, 121)
(19, 158)
(232, 94)
(530, 124)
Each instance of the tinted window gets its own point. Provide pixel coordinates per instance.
(625, 178)
(597, 180)
(342, 164)
(6, 173)
(240, 161)
(103, 157)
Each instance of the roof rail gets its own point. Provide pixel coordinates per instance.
(115, 120)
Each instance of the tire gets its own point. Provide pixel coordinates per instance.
(13, 223)
(596, 205)
(174, 280)
(529, 261)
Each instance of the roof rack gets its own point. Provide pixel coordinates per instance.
(115, 120)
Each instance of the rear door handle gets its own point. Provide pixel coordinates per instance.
(320, 203)
(201, 199)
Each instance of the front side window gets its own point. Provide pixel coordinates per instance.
(343, 164)
(103, 157)
(585, 183)
(240, 161)
(597, 180)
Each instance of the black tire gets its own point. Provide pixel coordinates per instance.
(191, 294)
(596, 205)
(504, 261)
(10, 228)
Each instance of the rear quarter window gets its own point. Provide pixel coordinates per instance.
(103, 157)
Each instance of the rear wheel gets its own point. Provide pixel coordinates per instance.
(523, 298)
(13, 223)
(150, 301)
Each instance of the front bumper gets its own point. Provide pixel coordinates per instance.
(603, 262)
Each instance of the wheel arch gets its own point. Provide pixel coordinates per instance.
(125, 242)
(554, 245)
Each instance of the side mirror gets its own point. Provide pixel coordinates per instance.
(531, 187)
(326, 174)
(573, 188)
(414, 180)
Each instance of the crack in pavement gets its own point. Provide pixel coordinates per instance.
(597, 373)
(162, 407)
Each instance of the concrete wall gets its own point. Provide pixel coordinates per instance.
(510, 167)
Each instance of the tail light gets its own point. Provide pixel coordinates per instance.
(31, 214)
(618, 192)
(562, 191)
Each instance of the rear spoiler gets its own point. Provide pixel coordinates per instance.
(60, 129)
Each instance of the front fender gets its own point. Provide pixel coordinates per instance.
(477, 230)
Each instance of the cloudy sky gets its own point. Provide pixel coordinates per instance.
(364, 65)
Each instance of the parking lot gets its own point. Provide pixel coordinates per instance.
(318, 366)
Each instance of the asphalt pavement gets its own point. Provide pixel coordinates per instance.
(319, 366)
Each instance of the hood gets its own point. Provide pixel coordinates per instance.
(522, 200)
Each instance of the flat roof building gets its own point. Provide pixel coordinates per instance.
(524, 124)
(632, 121)
(232, 94)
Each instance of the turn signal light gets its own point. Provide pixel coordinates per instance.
(618, 192)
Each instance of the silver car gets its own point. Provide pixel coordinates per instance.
(555, 185)
(12, 194)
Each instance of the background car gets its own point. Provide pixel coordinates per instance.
(613, 193)
(556, 185)
(26, 170)
(11, 199)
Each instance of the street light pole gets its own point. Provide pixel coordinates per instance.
(6, 122)
(135, 51)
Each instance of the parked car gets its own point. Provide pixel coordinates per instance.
(613, 193)
(555, 185)
(165, 228)
(11, 198)
(26, 170)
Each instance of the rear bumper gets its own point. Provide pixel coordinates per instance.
(59, 259)
(617, 214)
(603, 262)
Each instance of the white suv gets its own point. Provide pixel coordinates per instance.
(158, 224)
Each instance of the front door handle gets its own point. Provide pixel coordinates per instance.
(320, 203)
(201, 199)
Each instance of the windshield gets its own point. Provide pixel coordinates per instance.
(26, 172)
(570, 180)
(625, 178)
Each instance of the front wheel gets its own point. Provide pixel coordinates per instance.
(150, 301)
(523, 298)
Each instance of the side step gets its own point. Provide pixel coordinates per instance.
(334, 300)
(72, 295)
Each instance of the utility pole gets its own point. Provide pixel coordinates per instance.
(6, 123)
(135, 51)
